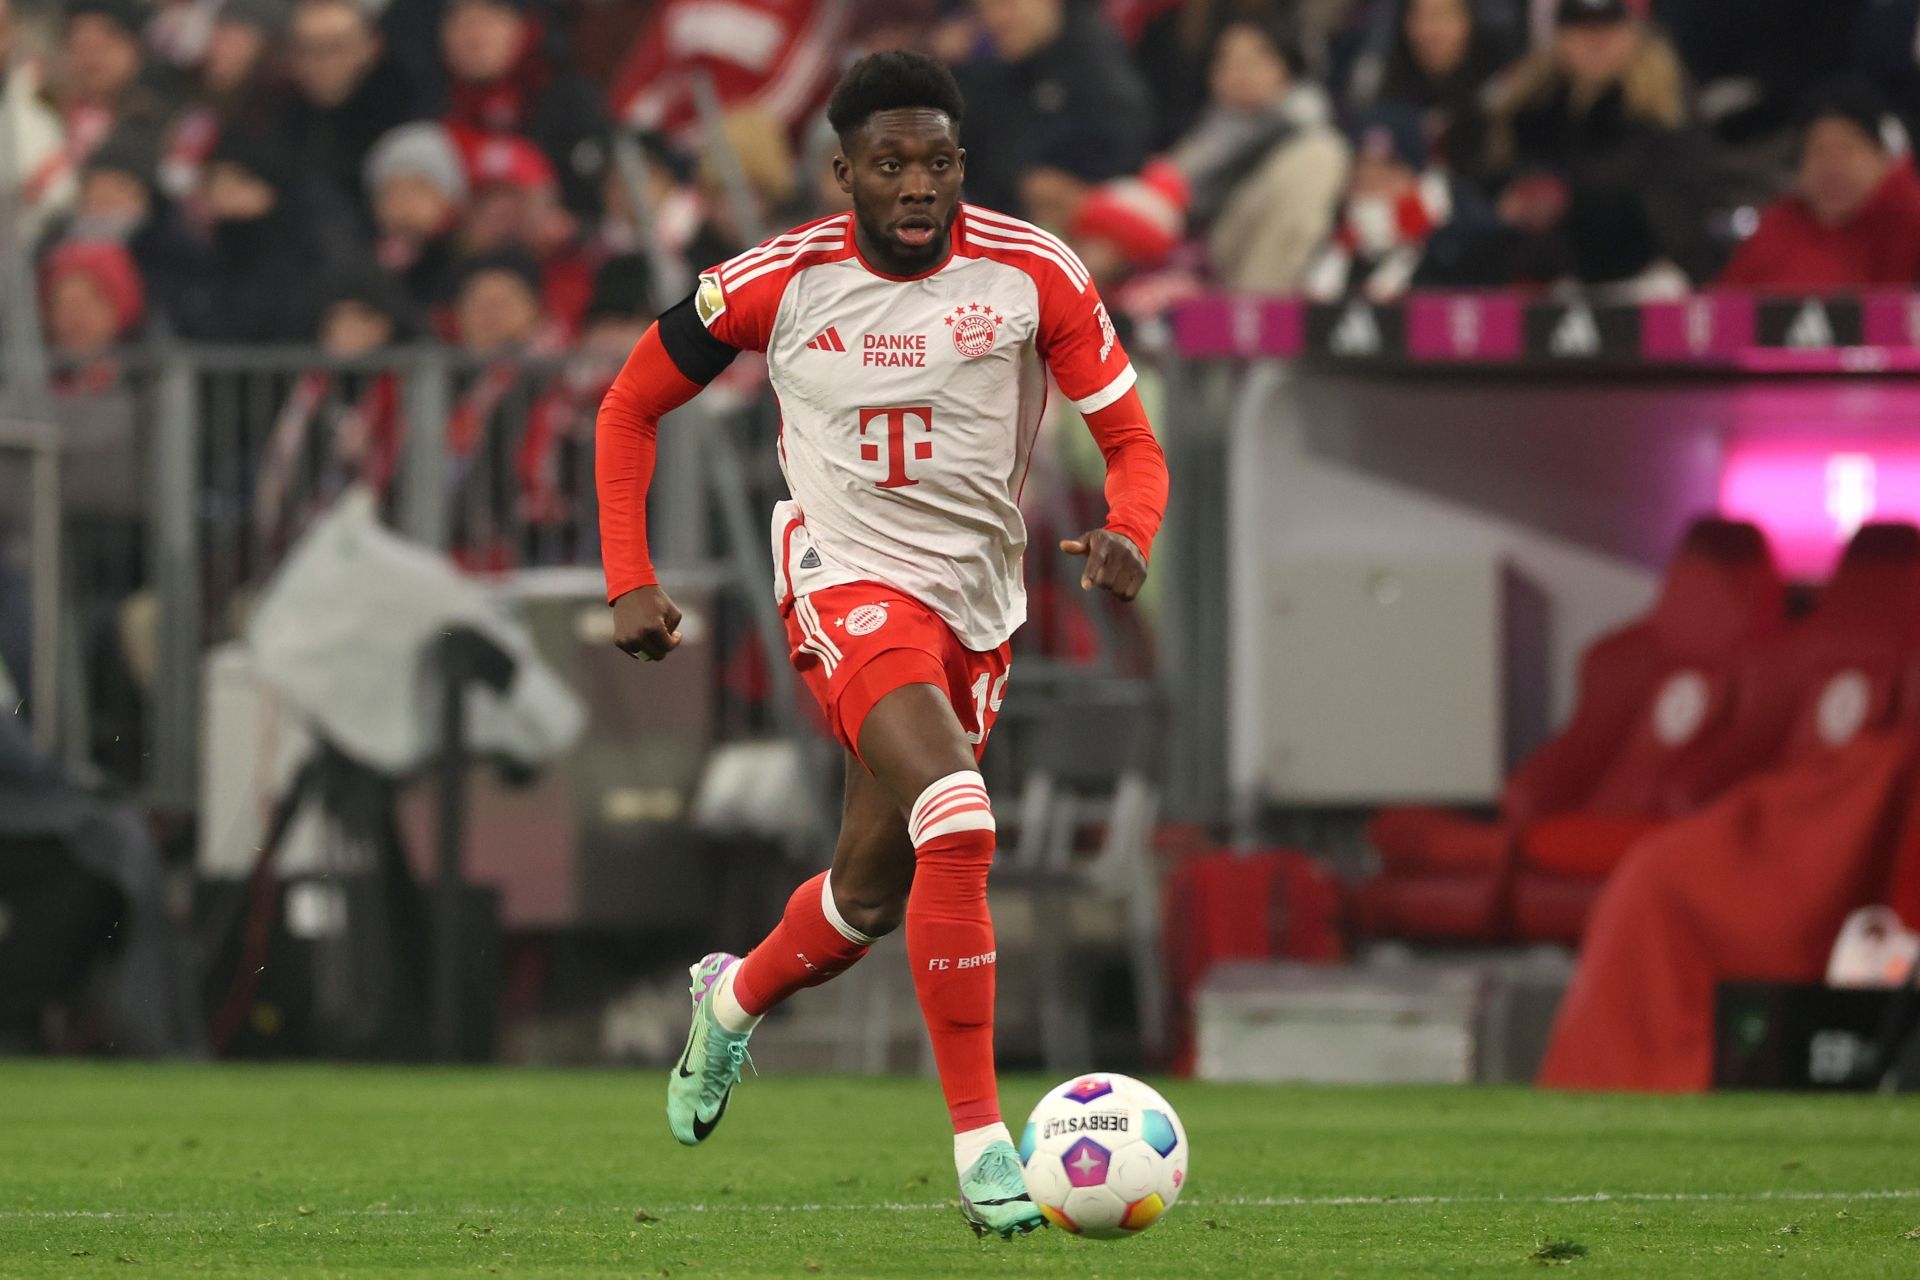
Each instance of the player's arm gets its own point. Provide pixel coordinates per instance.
(676, 357)
(1136, 489)
(1087, 360)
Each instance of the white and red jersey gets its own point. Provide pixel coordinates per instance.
(909, 407)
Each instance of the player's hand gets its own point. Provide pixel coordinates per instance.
(1113, 562)
(646, 623)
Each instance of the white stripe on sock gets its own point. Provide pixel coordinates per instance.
(831, 909)
(957, 802)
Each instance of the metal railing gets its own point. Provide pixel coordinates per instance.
(38, 444)
(239, 449)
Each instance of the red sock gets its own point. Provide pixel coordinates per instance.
(810, 945)
(950, 941)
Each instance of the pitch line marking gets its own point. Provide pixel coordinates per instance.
(1217, 1202)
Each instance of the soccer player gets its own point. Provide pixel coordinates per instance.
(909, 343)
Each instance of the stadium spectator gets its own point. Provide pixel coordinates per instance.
(1853, 217)
(1404, 223)
(40, 177)
(98, 86)
(1442, 62)
(362, 309)
(497, 304)
(1598, 165)
(417, 182)
(1755, 62)
(1059, 95)
(497, 318)
(557, 446)
(93, 300)
(255, 284)
(338, 426)
(514, 204)
(778, 57)
(509, 76)
(1172, 43)
(120, 202)
(232, 87)
(117, 196)
(346, 93)
(506, 176)
(620, 310)
(1262, 170)
(1266, 164)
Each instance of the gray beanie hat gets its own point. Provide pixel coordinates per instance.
(421, 149)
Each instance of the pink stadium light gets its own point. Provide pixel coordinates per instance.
(1811, 497)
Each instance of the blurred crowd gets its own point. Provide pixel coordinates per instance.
(529, 181)
(518, 175)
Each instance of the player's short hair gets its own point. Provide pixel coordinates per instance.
(889, 81)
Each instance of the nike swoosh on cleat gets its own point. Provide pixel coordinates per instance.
(687, 1053)
(701, 1128)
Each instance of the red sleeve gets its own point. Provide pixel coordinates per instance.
(1136, 470)
(649, 387)
(1077, 340)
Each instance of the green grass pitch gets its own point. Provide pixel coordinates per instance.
(136, 1170)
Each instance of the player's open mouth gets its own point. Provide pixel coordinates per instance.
(917, 232)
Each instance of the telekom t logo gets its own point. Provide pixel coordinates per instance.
(1851, 497)
(898, 423)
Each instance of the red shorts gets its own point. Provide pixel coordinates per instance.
(857, 643)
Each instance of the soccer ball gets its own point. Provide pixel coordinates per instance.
(1105, 1156)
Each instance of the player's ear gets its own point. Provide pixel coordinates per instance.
(843, 170)
(960, 161)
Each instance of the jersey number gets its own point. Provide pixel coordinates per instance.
(894, 427)
(983, 701)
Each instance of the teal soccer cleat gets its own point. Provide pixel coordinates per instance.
(993, 1195)
(699, 1086)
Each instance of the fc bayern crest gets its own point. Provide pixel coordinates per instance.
(866, 619)
(974, 326)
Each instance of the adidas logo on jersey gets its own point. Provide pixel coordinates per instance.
(828, 341)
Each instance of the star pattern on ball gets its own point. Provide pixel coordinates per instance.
(1086, 1163)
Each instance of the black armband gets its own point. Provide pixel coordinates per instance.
(691, 346)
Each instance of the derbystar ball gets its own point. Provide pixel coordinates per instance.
(1105, 1156)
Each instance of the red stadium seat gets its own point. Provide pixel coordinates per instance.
(1649, 694)
(1828, 678)
(1837, 673)
(1220, 905)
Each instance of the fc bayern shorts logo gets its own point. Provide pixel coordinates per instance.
(866, 619)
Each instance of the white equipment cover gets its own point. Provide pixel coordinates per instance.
(347, 630)
(1874, 950)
